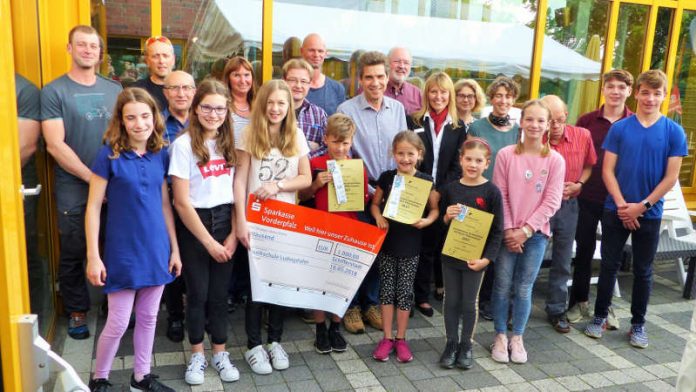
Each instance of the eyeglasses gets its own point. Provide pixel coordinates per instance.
(183, 88)
(557, 121)
(401, 62)
(302, 82)
(207, 109)
(467, 97)
(157, 38)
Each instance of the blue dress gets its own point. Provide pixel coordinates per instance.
(136, 246)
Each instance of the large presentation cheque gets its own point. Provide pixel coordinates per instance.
(306, 258)
(467, 234)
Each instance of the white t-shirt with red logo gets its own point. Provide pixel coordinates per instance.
(210, 185)
(275, 167)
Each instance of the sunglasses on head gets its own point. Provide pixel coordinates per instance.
(157, 38)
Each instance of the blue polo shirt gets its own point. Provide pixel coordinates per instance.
(172, 126)
(136, 246)
(642, 158)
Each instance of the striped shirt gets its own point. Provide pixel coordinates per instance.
(577, 150)
(311, 119)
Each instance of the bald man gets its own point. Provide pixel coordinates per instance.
(398, 88)
(576, 147)
(160, 59)
(323, 91)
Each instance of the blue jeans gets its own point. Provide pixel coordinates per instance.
(368, 292)
(563, 225)
(644, 245)
(515, 274)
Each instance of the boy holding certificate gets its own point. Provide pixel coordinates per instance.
(462, 278)
(331, 176)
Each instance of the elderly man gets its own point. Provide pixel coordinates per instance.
(324, 91)
(76, 109)
(378, 119)
(179, 89)
(576, 147)
(160, 58)
(310, 117)
(398, 88)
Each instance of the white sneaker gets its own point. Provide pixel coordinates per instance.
(258, 360)
(228, 372)
(279, 358)
(196, 369)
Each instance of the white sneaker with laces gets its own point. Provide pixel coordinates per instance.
(228, 372)
(196, 369)
(279, 358)
(258, 360)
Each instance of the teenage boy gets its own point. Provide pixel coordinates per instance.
(339, 140)
(642, 157)
(616, 88)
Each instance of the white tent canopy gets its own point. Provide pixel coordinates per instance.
(437, 42)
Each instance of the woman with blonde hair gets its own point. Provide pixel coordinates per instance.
(437, 124)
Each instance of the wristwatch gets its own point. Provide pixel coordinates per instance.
(648, 205)
(281, 185)
(527, 231)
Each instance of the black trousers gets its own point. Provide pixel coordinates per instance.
(206, 279)
(431, 248)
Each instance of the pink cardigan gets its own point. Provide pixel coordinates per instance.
(532, 187)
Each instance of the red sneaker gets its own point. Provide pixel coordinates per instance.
(384, 348)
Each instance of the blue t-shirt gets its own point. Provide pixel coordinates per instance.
(642, 158)
(329, 96)
(136, 245)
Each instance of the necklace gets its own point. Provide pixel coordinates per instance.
(499, 121)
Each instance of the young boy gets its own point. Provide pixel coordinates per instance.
(642, 157)
(338, 139)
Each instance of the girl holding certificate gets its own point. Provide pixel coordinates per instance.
(202, 169)
(130, 171)
(398, 258)
(272, 164)
(462, 279)
(530, 177)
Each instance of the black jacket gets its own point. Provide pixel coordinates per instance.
(448, 167)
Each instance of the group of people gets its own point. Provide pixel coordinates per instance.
(175, 163)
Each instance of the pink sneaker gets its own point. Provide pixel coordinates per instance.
(499, 349)
(384, 348)
(517, 352)
(403, 352)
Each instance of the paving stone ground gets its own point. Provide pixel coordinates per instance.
(570, 362)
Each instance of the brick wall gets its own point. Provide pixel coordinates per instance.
(132, 17)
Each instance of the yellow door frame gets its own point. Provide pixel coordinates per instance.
(14, 288)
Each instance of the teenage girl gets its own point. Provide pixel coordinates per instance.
(273, 164)
(398, 258)
(141, 254)
(202, 169)
(463, 279)
(530, 177)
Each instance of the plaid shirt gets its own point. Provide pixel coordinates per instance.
(312, 121)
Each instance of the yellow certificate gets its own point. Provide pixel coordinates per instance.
(467, 234)
(348, 185)
(407, 199)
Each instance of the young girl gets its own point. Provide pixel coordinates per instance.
(398, 258)
(273, 164)
(201, 169)
(462, 279)
(141, 254)
(530, 177)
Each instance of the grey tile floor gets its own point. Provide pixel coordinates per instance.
(557, 362)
